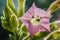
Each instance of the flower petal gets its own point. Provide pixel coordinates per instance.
(46, 25)
(44, 22)
(38, 29)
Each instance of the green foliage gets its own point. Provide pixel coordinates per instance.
(11, 37)
(57, 38)
(9, 19)
(21, 6)
(7, 12)
(52, 27)
(24, 34)
(54, 6)
(10, 25)
(10, 3)
(14, 22)
(5, 23)
(54, 36)
(40, 35)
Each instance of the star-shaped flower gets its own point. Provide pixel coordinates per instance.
(36, 20)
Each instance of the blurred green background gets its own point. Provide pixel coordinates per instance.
(43, 4)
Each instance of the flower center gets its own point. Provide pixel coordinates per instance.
(35, 20)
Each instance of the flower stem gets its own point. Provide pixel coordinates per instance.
(46, 38)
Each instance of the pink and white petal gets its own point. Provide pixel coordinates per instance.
(38, 29)
(47, 26)
(26, 16)
(42, 13)
(29, 13)
(35, 9)
(45, 23)
(31, 9)
(30, 28)
(45, 20)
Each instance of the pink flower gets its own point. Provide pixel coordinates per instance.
(36, 20)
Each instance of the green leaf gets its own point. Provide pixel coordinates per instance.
(55, 25)
(10, 3)
(23, 32)
(11, 24)
(54, 6)
(40, 35)
(53, 35)
(24, 29)
(6, 25)
(14, 22)
(7, 12)
(21, 10)
(21, 7)
(57, 38)
(52, 27)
